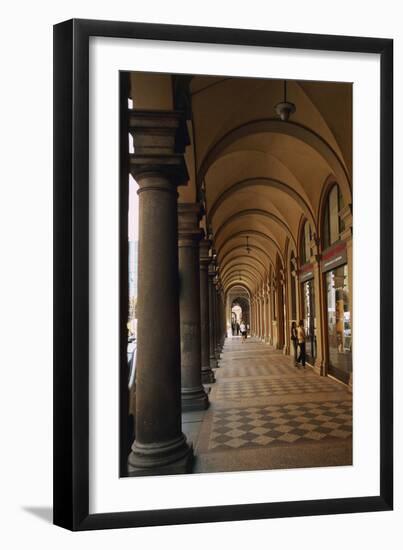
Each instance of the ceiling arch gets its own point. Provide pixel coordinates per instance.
(266, 183)
(248, 260)
(255, 212)
(240, 269)
(270, 125)
(233, 287)
(234, 282)
(246, 277)
(242, 247)
(250, 232)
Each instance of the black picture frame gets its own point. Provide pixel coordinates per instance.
(71, 273)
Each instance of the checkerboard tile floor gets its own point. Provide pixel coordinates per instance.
(245, 389)
(267, 414)
(255, 369)
(280, 425)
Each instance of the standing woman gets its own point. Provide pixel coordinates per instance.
(294, 339)
(301, 343)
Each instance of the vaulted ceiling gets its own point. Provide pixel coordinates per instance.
(260, 176)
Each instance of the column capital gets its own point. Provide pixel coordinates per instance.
(217, 284)
(204, 247)
(283, 275)
(159, 139)
(268, 286)
(212, 270)
(189, 215)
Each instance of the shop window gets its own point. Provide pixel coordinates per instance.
(339, 323)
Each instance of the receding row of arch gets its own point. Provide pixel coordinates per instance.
(255, 265)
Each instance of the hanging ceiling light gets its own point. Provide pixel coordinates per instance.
(284, 109)
(248, 248)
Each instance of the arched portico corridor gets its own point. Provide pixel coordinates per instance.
(265, 413)
(240, 219)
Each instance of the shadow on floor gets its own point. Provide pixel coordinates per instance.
(45, 513)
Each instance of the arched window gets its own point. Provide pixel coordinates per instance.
(332, 223)
(306, 244)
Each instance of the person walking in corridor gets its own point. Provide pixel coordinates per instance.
(294, 339)
(301, 343)
(243, 331)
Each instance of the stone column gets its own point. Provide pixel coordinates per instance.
(222, 314)
(265, 322)
(320, 308)
(193, 395)
(251, 313)
(269, 313)
(347, 235)
(285, 312)
(223, 317)
(274, 312)
(294, 280)
(263, 315)
(207, 373)
(211, 292)
(321, 338)
(217, 321)
(255, 325)
(160, 446)
(259, 298)
(219, 318)
(254, 316)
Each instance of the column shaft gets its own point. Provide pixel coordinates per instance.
(207, 372)
(159, 440)
(160, 446)
(193, 395)
(211, 290)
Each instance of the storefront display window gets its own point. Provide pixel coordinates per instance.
(339, 323)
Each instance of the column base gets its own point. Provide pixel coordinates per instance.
(214, 362)
(207, 375)
(194, 399)
(170, 457)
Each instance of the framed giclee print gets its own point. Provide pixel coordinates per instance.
(223, 274)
